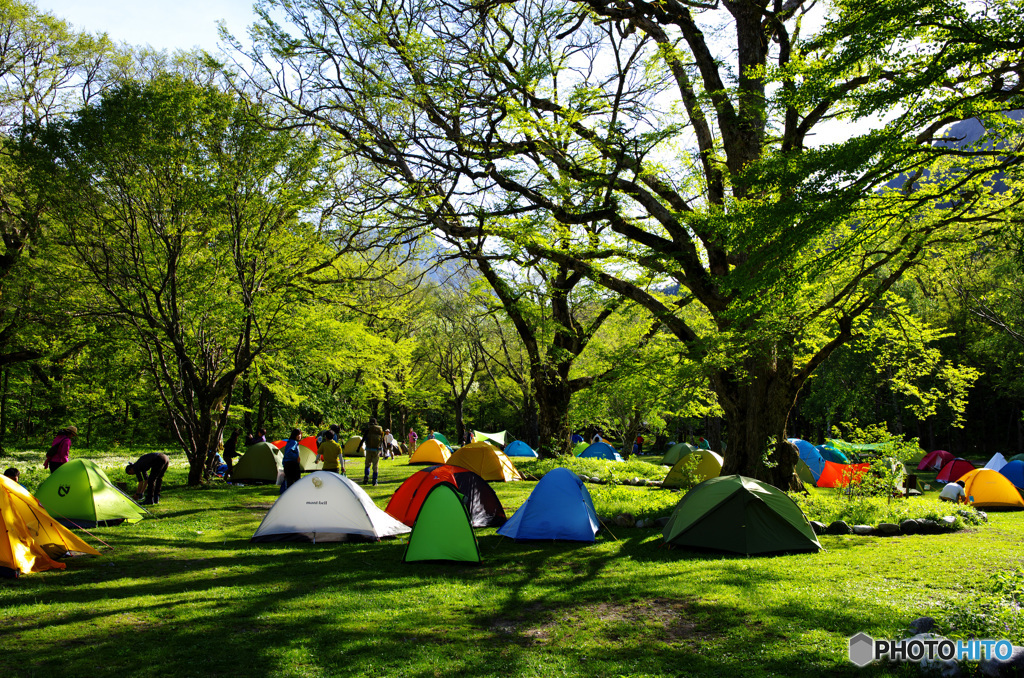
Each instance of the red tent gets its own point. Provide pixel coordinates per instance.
(841, 475)
(935, 460)
(954, 470)
(308, 442)
(484, 507)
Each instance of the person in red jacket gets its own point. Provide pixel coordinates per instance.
(60, 448)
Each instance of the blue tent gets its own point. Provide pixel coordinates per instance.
(601, 450)
(558, 508)
(576, 438)
(1014, 472)
(832, 454)
(809, 455)
(518, 448)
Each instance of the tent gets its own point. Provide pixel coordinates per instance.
(805, 473)
(558, 508)
(848, 449)
(576, 438)
(308, 460)
(1014, 472)
(841, 475)
(324, 506)
(677, 452)
(443, 531)
(79, 494)
(484, 507)
(742, 515)
(1016, 457)
(518, 448)
(601, 450)
(260, 463)
(709, 465)
(430, 452)
(933, 461)
(443, 439)
(486, 461)
(954, 470)
(354, 447)
(811, 457)
(579, 447)
(496, 438)
(309, 442)
(990, 489)
(832, 454)
(997, 462)
(31, 540)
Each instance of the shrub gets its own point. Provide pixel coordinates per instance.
(863, 510)
(608, 471)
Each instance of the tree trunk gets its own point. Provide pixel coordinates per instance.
(553, 394)
(247, 403)
(460, 427)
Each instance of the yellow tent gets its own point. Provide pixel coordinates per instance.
(709, 465)
(31, 539)
(485, 461)
(354, 447)
(986, 488)
(430, 452)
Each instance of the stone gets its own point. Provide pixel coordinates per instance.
(947, 521)
(947, 668)
(863, 530)
(929, 526)
(910, 526)
(1014, 666)
(888, 529)
(819, 528)
(838, 527)
(922, 625)
(625, 520)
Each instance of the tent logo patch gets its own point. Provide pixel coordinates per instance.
(63, 490)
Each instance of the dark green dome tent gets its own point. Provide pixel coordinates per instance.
(742, 515)
(442, 531)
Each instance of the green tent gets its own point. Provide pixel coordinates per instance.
(79, 494)
(804, 471)
(260, 464)
(441, 438)
(858, 448)
(498, 438)
(743, 515)
(1016, 457)
(579, 447)
(442, 531)
(677, 452)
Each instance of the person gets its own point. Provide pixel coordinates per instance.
(954, 492)
(13, 473)
(639, 444)
(261, 436)
(290, 462)
(330, 452)
(60, 448)
(703, 444)
(412, 441)
(373, 437)
(430, 433)
(149, 470)
(389, 440)
(231, 451)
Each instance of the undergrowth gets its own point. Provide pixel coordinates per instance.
(607, 471)
(827, 507)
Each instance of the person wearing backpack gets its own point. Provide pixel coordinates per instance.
(373, 439)
(60, 448)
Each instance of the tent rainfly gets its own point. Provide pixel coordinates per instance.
(430, 452)
(559, 507)
(79, 494)
(442, 532)
(486, 461)
(261, 463)
(485, 509)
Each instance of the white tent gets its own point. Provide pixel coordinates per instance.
(997, 461)
(325, 506)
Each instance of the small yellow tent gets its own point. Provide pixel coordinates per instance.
(430, 452)
(354, 447)
(31, 539)
(486, 461)
(709, 465)
(986, 488)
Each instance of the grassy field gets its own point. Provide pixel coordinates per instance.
(184, 593)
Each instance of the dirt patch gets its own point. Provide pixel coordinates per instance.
(675, 616)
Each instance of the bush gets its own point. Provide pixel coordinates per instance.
(644, 503)
(994, 611)
(607, 471)
(864, 510)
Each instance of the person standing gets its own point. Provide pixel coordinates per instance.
(330, 452)
(412, 441)
(60, 448)
(430, 433)
(389, 441)
(231, 451)
(149, 470)
(290, 462)
(373, 438)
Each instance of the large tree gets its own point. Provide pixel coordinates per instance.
(703, 144)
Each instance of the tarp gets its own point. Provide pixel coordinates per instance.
(31, 539)
(742, 515)
(990, 489)
(354, 447)
(709, 465)
(601, 450)
(954, 470)
(260, 463)
(80, 494)
(485, 509)
(486, 461)
(677, 452)
(443, 531)
(326, 507)
(841, 475)
(517, 448)
(997, 462)
(558, 508)
(498, 437)
(935, 460)
(430, 452)
(1014, 472)
(855, 448)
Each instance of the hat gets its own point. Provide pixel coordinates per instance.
(73, 430)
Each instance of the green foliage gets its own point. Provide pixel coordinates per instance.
(992, 610)
(643, 502)
(827, 507)
(607, 471)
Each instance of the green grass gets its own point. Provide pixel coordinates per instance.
(185, 594)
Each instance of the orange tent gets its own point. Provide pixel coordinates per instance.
(29, 538)
(986, 488)
(841, 475)
(430, 452)
(486, 461)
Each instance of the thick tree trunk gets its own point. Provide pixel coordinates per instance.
(530, 432)
(553, 394)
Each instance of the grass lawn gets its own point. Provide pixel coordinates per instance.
(184, 593)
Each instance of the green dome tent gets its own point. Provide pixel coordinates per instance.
(442, 531)
(742, 515)
(79, 494)
(677, 452)
(441, 437)
(260, 464)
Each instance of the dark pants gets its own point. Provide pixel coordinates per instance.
(54, 465)
(155, 484)
(292, 473)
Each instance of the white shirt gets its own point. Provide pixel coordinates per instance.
(952, 491)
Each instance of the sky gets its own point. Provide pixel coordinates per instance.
(162, 24)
